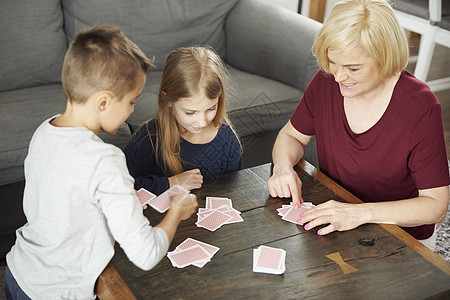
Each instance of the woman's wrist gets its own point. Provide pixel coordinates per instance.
(282, 168)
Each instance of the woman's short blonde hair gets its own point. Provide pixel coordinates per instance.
(369, 24)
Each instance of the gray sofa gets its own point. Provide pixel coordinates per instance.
(267, 50)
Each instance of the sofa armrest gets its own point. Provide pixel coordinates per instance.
(270, 41)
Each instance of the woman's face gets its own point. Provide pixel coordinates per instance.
(195, 113)
(357, 74)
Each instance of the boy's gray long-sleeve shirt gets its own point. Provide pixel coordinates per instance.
(78, 199)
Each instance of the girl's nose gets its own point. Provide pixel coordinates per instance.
(202, 121)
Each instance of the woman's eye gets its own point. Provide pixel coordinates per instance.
(189, 113)
(212, 108)
(353, 69)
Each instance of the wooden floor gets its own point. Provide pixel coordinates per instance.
(440, 67)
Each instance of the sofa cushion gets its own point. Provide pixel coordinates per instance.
(157, 27)
(258, 104)
(32, 42)
(22, 112)
(255, 104)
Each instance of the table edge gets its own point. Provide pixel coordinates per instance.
(395, 230)
(111, 286)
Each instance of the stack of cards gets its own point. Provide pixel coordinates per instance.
(192, 252)
(291, 213)
(161, 203)
(218, 212)
(269, 260)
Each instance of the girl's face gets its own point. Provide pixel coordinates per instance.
(357, 73)
(196, 113)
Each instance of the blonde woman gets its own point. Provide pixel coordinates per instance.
(190, 138)
(378, 128)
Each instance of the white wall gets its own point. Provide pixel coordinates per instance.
(328, 7)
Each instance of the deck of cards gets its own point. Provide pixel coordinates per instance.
(162, 202)
(192, 252)
(218, 212)
(269, 260)
(290, 213)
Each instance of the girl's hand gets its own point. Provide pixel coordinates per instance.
(340, 216)
(190, 180)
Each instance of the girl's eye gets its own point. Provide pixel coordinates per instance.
(353, 69)
(189, 113)
(212, 108)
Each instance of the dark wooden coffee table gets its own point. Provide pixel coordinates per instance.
(396, 267)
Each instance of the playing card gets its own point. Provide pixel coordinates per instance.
(283, 210)
(183, 258)
(145, 196)
(214, 220)
(216, 202)
(162, 203)
(269, 260)
(291, 213)
(177, 190)
(189, 242)
(202, 214)
(236, 218)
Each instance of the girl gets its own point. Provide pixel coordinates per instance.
(191, 137)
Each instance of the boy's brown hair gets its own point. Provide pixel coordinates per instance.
(101, 58)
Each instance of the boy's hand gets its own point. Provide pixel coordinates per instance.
(190, 180)
(182, 207)
(143, 207)
(185, 205)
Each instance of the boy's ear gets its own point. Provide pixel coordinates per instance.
(103, 100)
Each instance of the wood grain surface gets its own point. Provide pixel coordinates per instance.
(395, 267)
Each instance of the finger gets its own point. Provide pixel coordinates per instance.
(197, 185)
(326, 230)
(314, 221)
(284, 191)
(305, 217)
(271, 187)
(296, 195)
(272, 192)
(145, 206)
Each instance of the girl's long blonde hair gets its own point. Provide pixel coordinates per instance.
(187, 72)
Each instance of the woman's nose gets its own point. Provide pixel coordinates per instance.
(340, 75)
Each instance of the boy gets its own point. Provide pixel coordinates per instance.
(79, 196)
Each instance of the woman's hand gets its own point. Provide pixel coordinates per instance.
(340, 216)
(190, 180)
(285, 183)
